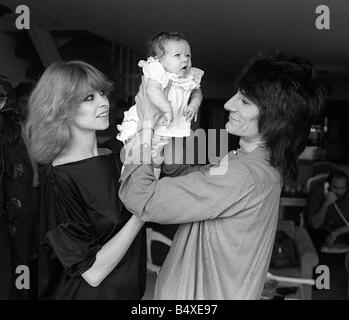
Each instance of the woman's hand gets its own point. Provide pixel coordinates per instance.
(148, 114)
(157, 153)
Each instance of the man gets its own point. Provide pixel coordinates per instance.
(228, 211)
(328, 209)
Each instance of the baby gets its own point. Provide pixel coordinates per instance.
(172, 85)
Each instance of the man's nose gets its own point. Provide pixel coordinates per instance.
(230, 105)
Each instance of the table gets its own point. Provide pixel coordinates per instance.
(291, 202)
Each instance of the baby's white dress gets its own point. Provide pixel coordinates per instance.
(179, 91)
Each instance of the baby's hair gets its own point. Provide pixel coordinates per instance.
(156, 45)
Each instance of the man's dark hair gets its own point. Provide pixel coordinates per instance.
(289, 96)
(337, 174)
(156, 45)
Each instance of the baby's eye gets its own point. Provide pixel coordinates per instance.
(188, 55)
(102, 92)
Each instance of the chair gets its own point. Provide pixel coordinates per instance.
(153, 235)
(153, 268)
(346, 263)
(322, 167)
(313, 180)
(307, 257)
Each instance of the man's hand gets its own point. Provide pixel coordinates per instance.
(330, 197)
(158, 143)
(148, 114)
(331, 239)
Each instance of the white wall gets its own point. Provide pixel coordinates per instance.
(217, 89)
(10, 66)
(340, 91)
(211, 89)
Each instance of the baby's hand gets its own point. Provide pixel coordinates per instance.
(191, 111)
(166, 119)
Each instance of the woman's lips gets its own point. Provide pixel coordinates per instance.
(103, 114)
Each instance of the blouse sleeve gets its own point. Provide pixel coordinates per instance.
(153, 69)
(75, 246)
(197, 75)
(69, 233)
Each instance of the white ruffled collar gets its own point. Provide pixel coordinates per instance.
(187, 82)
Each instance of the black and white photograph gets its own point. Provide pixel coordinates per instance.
(168, 150)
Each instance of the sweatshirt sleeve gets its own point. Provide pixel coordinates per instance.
(197, 196)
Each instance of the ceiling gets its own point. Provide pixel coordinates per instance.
(223, 34)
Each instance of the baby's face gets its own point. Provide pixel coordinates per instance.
(177, 57)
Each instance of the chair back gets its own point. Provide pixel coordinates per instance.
(287, 226)
(322, 167)
(313, 180)
(153, 235)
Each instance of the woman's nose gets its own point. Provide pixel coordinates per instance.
(102, 99)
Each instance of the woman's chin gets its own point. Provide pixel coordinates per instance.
(104, 126)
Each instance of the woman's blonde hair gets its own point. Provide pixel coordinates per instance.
(53, 102)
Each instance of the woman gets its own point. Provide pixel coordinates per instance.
(222, 249)
(91, 247)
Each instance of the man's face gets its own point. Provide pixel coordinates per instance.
(3, 96)
(339, 187)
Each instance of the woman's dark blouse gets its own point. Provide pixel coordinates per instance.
(80, 212)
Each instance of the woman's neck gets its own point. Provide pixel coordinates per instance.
(249, 144)
(83, 145)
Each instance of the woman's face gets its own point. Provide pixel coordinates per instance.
(243, 117)
(93, 112)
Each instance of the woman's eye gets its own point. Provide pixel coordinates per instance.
(102, 93)
(89, 97)
(177, 55)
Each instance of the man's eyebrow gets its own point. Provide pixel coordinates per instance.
(244, 97)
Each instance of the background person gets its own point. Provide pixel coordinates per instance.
(324, 199)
